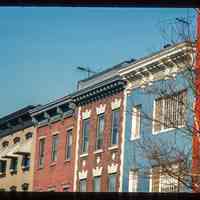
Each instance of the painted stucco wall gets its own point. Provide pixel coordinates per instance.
(133, 157)
(21, 176)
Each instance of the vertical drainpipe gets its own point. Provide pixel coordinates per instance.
(77, 149)
(123, 141)
(196, 133)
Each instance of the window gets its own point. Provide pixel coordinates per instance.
(41, 152)
(164, 182)
(133, 181)
(112, 183)
(13, 165)
(13, 188)
(170, 111)
(28, 135)
(100, 129)
(69, 144)
(2, 167)
(5, 144)
(25, 162)
(115, 127)
(54, 150)
(97, 184)
(85, 135)
(83, 185)
(136, 117)
(66, 189)
(25, 186)
(16, 140)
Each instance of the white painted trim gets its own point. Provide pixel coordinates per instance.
(113, 147)
(153, 59)
(55, 133)
(83, 155)
(86, 114)
(153, 121)
(76, 149)
(97, 171)
(123, 141)
(116, 103)
(98, 151)
(150, 180)
(101, 109)
(41, 137)
(82, 174)
(112, 169)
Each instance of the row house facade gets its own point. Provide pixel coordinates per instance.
(99, 134)
(17, 136)
(55, 146)
(159, 121)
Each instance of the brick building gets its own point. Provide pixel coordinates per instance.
(55, 146)
(99, 101)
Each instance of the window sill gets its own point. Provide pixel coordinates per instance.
(67, 161)
(166, 130)
(83, 155)
(113, 147)
(98, 151)
(134, 138)
(53, 164)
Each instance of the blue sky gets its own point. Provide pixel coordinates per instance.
(40, 48)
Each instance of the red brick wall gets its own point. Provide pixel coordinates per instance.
(196, 137)
(61, 172)
(106, 155)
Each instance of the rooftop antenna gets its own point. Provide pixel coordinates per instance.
(86, 69)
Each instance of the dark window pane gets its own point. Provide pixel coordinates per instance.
(115, 127)
(112, 183)
(100, 129)
(69, 144)
(41, 152)
(54, 150)
(97, 184)
(85, 135)
(83, 185)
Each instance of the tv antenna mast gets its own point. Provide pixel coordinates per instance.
(86, 69)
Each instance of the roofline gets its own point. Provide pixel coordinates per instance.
(50, 105)
(16, 114)
(155, 56)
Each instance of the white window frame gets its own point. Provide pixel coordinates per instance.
(162, 125)
(135, 109)
(133, 181)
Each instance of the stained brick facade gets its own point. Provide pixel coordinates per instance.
(55, 175)
(108, 155)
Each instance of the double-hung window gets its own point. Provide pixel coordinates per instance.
(97, 184)
(13, 165)
(100, 130)
(136, 121)
(54, 150)
(83, 185)
(115, 126)
(169, 112)
(112, 182)
(2, 167)
(85, 135)
(41, 152)
(133, 181)
(69, 145)
(165, 181)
